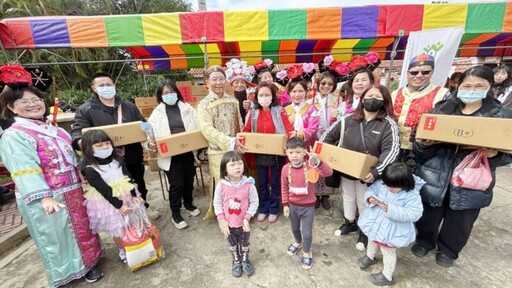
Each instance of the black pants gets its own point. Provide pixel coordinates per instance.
(137, 171)
(181, 181)
(454, 232)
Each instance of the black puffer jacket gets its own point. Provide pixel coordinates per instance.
(93, 113)
(435, 163)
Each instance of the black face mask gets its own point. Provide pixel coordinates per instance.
(373, 104)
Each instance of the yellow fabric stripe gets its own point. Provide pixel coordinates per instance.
(136, 247)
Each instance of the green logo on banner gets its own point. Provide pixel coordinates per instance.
(433, 48)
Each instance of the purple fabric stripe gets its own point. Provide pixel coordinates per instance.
(359, 22)
(50, 33)
(305, 46)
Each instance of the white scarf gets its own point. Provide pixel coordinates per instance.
(298, 125)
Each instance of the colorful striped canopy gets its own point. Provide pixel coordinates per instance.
(286, 36)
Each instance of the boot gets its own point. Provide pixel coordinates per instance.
(346, 228)
(362, 241)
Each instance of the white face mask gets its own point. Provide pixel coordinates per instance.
(106, 92)
(468, 96)
(265, 101)
(103, 154)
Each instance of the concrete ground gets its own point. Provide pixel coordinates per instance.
(198, 256)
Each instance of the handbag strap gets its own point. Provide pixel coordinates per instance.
(120, 113)
(362, 136)
(342, 131)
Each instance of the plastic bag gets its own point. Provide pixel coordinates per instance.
(141, 240)
(473, 172)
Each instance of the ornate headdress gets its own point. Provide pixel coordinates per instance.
(343, 71)
(297, 71)
(237, 69)
(15, 76)
(264, 65)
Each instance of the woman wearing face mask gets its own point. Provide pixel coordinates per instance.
(456, 207)
(502, 87)
(172, 116)
(370, 129)
(49, 193)
(268, 117)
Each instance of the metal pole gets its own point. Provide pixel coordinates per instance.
(5, 52)
(206, 61)
(392, 59)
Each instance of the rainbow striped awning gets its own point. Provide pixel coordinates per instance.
(180, 40)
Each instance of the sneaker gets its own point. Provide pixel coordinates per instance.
(152, 213)
(380, 280)
(247, 267)
(346, 228)
(272, 218)
(236, 269)
(93, 275)
(193, 211)
(179, 222)
(261, 217)
(362, 242)
(122, 255)
(365, 262)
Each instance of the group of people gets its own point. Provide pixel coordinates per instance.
(382, 207)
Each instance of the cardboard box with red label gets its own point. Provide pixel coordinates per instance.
(261, 143)
(349, 162)
(466, 130)
(180, 143)
(122, 134)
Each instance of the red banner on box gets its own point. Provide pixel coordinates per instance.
(164, 148)
(186, 92)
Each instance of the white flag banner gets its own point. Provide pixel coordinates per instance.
(440, 43)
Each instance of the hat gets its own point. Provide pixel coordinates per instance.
(422, 59)
(296, 72)
(237, 69)
(214, 68)
(264, 65)
(15, 76)
(343, 71)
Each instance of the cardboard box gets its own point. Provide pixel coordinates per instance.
(349, 162)
(181, 143)
(122, 134)
(146, 101)
(199, 90)
(146, 111)
(466, 130)
(262, 143)
(184, 83)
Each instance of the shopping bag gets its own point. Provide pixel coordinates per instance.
(141, 240)
(473, 172)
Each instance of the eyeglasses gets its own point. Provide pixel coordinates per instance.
(424, 73)
(326, 83)
(26, 102)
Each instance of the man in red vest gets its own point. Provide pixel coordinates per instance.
(416, 98)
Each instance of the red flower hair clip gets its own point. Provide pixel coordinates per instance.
(15, 75)
(295, 71)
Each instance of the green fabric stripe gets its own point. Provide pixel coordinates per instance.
(124, 31)
(193, 50)
(363, 46)
(287, 24)
(269, 48)
(485, 18)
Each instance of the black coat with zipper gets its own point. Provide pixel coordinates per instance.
(435, 163)
(93, 113)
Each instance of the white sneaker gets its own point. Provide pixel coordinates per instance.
(152, 213)
(194, 212)
(181, 225)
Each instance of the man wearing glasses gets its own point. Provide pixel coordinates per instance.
(416, 98)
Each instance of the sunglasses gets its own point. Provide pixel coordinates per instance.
(424, 73)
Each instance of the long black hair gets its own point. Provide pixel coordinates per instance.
(482, 72)
(273, 91)
(170, 84)
(90, 138)
(500, 88)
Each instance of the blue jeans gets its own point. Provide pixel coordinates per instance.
(269, 191)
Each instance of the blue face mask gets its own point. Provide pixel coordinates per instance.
(467, 96)
(103, 154)
(106, 92)
(170, 98)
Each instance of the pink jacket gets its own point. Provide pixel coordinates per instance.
(235, 201)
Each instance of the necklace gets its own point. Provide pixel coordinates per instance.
(305, 173)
